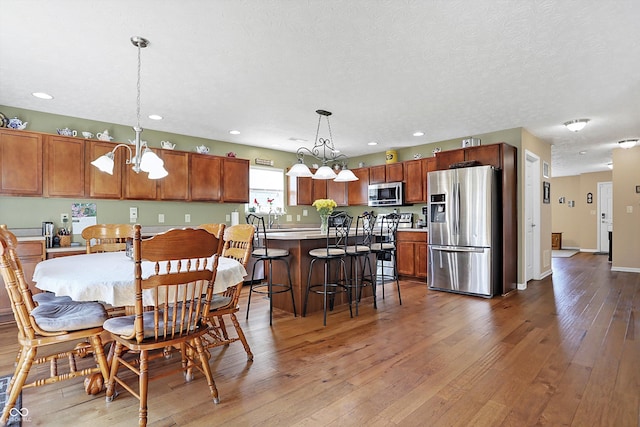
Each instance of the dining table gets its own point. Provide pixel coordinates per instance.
(108, 277)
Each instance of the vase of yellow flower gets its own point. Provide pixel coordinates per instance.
(324, 207)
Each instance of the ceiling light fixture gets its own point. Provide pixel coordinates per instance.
(576, 125)
(144, 159)
(324, 151)
(155, 117)
(610, 165)
(628, 143)
(234, 132)
(418, 133)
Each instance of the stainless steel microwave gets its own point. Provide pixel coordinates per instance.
(387, 194)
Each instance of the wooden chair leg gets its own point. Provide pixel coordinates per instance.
(204, 363)
(223, 328)
(243, 339)
(144, 387)
(27, 356)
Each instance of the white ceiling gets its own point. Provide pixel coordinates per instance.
(385, 68)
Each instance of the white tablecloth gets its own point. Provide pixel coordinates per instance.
(109, 277)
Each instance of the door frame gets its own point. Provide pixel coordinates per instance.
(599, 227)
(532, 201)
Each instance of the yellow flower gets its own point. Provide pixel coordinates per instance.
(324, 206)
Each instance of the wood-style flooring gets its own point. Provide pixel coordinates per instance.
(564, 352)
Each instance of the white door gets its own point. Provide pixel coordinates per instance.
(532, 215)
(605, 215)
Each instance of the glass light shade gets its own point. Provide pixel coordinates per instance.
(346, 175)
(325, 172)
(104, 163)
(157, 173)
(299, 170)
(576, 125)
(150, 161)
(628, 143)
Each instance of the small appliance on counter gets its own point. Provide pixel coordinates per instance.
(424, 222)
(47, 232)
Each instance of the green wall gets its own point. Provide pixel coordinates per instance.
(29, 212)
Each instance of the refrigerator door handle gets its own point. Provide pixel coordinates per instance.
(456, 208)
(457, 249)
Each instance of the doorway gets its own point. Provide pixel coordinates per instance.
(532, 216)
(605, 215)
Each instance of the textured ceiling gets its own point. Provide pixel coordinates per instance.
(386, 69)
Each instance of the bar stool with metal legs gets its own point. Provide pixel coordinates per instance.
(359, 254)
(385, 249)
(334, 250)
(263, 253)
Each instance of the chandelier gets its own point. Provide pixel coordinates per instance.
(323, 151)
(143, 159)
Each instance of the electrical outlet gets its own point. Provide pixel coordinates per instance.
(228, 218)
(133, 215)
(305, 212)
(289, 218)
(298, 218)
(187, 218)
(161, 218)
(629, 209)
(64, 218)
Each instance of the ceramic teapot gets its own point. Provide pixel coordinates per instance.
(16, 123)
(167, 145)
(104, 136)
(202, 149)
(67, 132)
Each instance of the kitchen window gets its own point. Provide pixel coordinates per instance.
(266, 190)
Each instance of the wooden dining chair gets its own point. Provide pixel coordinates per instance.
(217, 229)
(77, 325)
(174, 275)
(107, 237)
(238, 243)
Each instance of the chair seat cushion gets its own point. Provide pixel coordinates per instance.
(357, 249)
(71, 316)
(219, 301)
(324, 252)
(382, 246)
(270, 253)
(50, 297)
(124, 325)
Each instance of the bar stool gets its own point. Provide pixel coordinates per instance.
(360, 253)
(334, 250)
(262, 252)
(386, 248)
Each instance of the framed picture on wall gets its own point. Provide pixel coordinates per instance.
(546, 192)
(545, 169)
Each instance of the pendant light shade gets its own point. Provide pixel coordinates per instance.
(346, 175)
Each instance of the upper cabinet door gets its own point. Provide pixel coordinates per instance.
(414, 182)
(137, 185)
(205, 177)
(235, 180)
(20, 163)
(63, 166)
(338, 192)
(174, 186)
(359, 190)
(99, 184)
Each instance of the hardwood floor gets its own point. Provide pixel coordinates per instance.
(564, 352)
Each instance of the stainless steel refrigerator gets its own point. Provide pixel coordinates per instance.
(465, 254)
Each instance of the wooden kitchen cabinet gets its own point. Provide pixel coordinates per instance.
(412, 253)
(302, 191)
(63, 166)
(235, 180)
(338, 192)
(205, 177)
(21, 167)
(30, 253)
(137, 185)
(174, 186)
(415, 179)
(392, 172)
(97, 184)
(358, 191)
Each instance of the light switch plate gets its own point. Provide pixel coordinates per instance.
(133, 214)
(187, 217)
(161, 218)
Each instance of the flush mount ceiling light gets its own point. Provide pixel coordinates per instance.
(576, 125)
(42, 95)
(324, 151)
(628, 143)
(144, 159)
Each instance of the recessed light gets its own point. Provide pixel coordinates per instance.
(234, 132)
(582, 153)
(155, 117)
(299, 140)
(418, 133)
(372, 143)
(42, 95)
